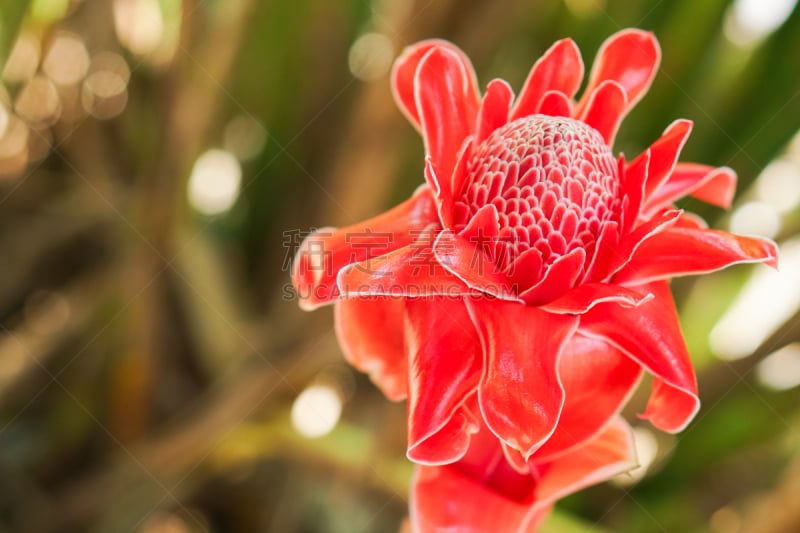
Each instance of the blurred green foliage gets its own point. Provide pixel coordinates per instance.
(149, 354)
(11, 14)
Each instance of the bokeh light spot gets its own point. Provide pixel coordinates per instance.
(767, 300)
(105, 93)
(316, 411)
(371, 56)
(781, 369)
(749, 21)
(38, 101)
(646, 453)
(756, 218)
(244, 137)
(67, 60)
(214, 182)
(139, 25)
(779, 185)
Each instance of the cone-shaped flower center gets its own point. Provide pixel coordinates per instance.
(553, 181)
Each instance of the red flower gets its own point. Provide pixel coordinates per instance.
(492, 496)
(529, 275)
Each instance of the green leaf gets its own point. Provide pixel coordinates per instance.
(11, 14)
(48, 11)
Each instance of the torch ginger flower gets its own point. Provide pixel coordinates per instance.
(523, 288)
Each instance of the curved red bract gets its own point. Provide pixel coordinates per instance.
(483, 493)
(518, 296)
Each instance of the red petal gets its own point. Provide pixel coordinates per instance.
(558, 279)
(452, 498)
(631, 242)
(717, 187)
(598, 380)
(670, 408)
(482, 231)
(634, 178)
(712, 185)
(515, 459)
(555, 104)
(604, 253)
(664, 156)
(651, 335)
(584, 297)
(494, 108)
(444, 444)
(483, 228)
(520, 393)
(480, 493)
(525, 271)
(459, 179)
(447, 102)
(609, 453)
(405, 70)
(411, 271)
(445, 367)
(685, 251)
(444, 499)
(444, 195)
(629, 57)
(370, 332)
(326, 251)
(484, 459)
(559, 69)
(467, 261)
(691, 220)
(605, 109)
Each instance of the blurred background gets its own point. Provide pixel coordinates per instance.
(160, 160)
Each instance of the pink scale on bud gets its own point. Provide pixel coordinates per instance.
(567, 190)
